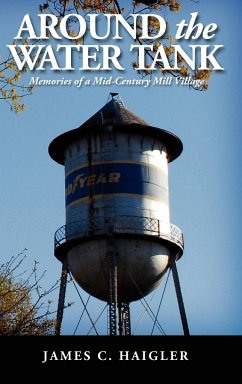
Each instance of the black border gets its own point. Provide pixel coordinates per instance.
(217, 355)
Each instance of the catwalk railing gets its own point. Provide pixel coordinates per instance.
(121, 225)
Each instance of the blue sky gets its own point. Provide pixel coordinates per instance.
(205, 181)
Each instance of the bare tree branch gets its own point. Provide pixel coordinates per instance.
(24, 305)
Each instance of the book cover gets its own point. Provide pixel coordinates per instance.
(169, 64)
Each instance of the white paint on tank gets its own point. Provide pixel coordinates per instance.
(141, 264)
(142, 260)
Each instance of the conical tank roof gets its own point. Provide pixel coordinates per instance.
(116, 115)
(113, 113)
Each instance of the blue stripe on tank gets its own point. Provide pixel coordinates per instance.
(114, 178)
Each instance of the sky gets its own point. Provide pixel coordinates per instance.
(205, 181)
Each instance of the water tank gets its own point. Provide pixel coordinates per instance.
(117, 202)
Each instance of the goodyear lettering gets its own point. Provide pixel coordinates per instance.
(102, 179)
(81, 181)
(113, 178)
(91, 180)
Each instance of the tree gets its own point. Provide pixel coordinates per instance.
(23, 306)
(10, 88)
(13, 92)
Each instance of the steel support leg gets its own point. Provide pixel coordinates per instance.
(126, 319)
(112, 288)
(179, 296)
(120, 319)
(61, 302)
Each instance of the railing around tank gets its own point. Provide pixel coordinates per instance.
(121, 224)
(135, 224)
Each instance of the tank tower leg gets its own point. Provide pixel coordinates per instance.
(179, 296)
(124, 319)
(120, 319)
(123, 324)
(113, 299)
(62, 293)
(127, 321)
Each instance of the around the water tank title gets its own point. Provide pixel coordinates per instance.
(108, 56)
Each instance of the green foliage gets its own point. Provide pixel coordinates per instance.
(23, 310)
(10, 88)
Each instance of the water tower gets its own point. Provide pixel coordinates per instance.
(118, 241)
